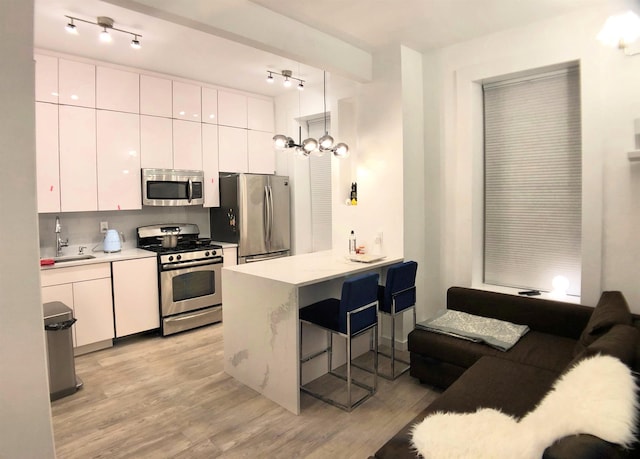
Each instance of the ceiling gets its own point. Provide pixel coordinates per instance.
(184, 49)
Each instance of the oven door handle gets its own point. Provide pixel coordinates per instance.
(190, 264)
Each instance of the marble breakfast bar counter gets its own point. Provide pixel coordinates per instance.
(261, 322)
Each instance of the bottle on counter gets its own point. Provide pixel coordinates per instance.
(354, 194)
(352, 243)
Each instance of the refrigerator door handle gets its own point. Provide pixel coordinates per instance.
(267, 215)
(270, 214)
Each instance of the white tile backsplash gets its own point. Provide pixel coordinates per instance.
(83, 228)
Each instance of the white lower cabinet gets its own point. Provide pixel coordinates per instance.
(230, 255)
(86, 290)
(135, 296)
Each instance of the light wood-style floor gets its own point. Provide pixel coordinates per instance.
(154, 397)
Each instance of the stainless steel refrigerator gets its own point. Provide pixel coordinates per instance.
(253, 213)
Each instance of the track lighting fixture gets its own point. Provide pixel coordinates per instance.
(288, 76)
(106, 24)
(306, 147)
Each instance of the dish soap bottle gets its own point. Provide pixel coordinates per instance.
(352, 243)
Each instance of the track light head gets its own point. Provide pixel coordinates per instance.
(105, 37)
(135, 43)
(71, 27)
(300, 86)
(270, 78)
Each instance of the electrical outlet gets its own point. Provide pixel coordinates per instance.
(104, 226)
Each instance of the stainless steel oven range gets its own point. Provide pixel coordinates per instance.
(189, 275)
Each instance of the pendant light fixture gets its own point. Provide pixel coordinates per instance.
(106, 24)
(306, 147)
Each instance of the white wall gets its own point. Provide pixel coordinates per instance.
(610, 102)
(25, 423)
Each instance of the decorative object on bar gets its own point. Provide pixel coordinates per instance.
(106, 23)
(621, 30)
(320, 146)
(288, 76)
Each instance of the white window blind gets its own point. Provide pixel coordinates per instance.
(320, 179)
(532, 229)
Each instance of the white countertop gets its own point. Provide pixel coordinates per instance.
(101, 257)
(310, 268)
(226, 245)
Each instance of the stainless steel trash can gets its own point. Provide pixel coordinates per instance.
(58, 319)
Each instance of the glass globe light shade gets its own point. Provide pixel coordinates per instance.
(301, 152)
(280, 141)
(341, 150)
(326, 141)
(309, 144)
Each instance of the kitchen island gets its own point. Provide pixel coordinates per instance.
(261, 321)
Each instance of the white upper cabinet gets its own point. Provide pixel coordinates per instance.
(155, 96)
(261, 153)
(118, 136)
(187, 145)
(186, 101)
(76, 83)
(47, 158)
(156, 142)
(232, 109)
(260, 114)
(77, 137)
(46, 78)
(117, 90)
(232, 149)
(210, 165)
(209, 105)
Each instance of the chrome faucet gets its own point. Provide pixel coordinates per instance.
(60, 243)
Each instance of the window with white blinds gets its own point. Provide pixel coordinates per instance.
(320, 180)
(532, 142)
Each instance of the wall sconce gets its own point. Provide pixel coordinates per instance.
(620, 31)
(288, 76)
(106, 24)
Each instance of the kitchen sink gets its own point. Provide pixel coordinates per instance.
(73, 258)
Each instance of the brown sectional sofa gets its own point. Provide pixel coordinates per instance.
(474, 375)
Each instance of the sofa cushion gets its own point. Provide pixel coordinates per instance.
(612, 309)
(489, 383)
(535, 348)
(621, 341)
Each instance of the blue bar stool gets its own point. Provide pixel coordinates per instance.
(394, 298)
(353, 314)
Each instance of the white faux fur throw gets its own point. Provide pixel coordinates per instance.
(597, 397)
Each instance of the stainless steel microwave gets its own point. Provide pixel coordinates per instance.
(172, 187)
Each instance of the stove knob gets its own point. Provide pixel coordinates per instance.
(213, 253)
(179, 257)
(206, 254)
(170, 257)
